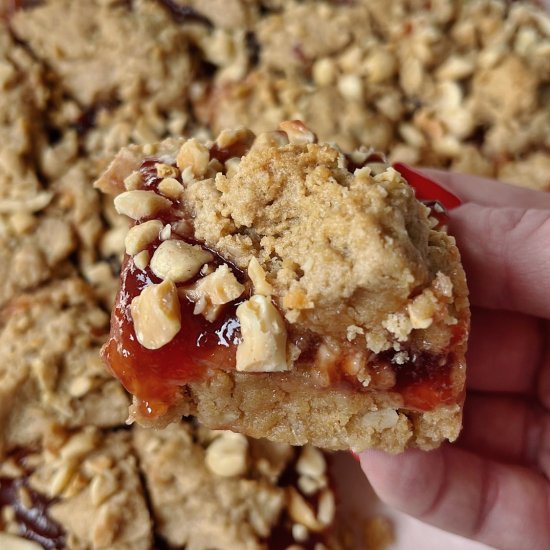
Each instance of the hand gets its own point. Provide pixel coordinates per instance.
(492, 485)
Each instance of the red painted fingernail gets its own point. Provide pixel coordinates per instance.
(427, 189)
(354, 455)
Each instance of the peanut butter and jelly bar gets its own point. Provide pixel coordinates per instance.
(182, 487)
(278, 287)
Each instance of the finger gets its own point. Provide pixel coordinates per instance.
(488, 192)
(505, 428)
(506, 254)
(543, 385)
(500, 505)
(505, 350)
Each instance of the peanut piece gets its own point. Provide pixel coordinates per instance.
(140, 204)
(195, 155)
(141, 236)
(230, 136)
(271, 139)
(258, 278)
(297, 132)
(263, 348)
(311, 462)
(301, 512)
(156, 315)
(227, 456)
(178, 261)
(166, 170)
(220, 287)
(326, 507)
(133, 181)
(171, 188)
(141, 259)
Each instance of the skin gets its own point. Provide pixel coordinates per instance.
(492, 485)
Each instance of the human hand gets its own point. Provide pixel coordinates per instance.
(492, 485)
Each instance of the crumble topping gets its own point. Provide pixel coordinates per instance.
(88, 492)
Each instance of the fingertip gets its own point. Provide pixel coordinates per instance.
(406, 480)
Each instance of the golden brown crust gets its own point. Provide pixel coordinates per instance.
(331, 419)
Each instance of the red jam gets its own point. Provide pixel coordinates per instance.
(33, 521)
(155, 376)
(425, 380)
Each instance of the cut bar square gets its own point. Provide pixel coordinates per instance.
(278, 287)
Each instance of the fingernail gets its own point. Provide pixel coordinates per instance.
(427, 189)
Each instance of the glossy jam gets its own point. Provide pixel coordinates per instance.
(155, 376)
(424, 381)
(34, 522)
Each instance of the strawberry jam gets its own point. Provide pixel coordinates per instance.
(155, 376)
(34, 521)
(424, 381)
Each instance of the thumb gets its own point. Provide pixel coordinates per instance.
(506, 255)
(500, 505)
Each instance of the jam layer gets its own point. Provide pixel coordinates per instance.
(424, 381)
(34, 522)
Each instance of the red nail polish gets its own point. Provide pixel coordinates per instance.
(354, 455)
(427, 189)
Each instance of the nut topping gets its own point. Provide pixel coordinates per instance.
(271, 139)
(171, 188)
(178, 261)
(193, 154)
(141, 259)
(231, 136)
(300, 532)
(300, 511)
(214, 290)
(140, 204)
(297, 132)
(141, 236)
(258, 278)
(227, 455)
(263, 348)
(166, 170)
(326, 507)
(156, 314)
(166, 232)
(311, 462)
(133, 181)
(221, 287)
